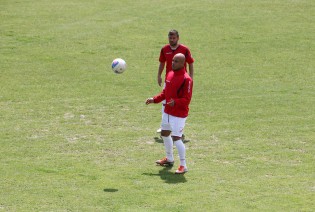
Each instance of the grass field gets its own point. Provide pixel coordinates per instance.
(74, 136)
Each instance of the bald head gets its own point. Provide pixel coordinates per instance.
(178, 62)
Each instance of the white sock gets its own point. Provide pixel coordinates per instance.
(182, 152)
(168, 144)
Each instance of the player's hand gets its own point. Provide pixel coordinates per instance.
(159, 79)
(149, 101)
(171, 103)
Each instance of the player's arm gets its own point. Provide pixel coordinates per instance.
(156, 99)
(149, 101)
(160, 71)
(190, 60)
(160, 97)
(191, 70)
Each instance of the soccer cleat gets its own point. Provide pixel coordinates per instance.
(181, 170)
(164, 162)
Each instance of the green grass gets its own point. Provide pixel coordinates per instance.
(76, 137)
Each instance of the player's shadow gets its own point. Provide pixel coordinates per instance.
(168, 176)
(160, 140)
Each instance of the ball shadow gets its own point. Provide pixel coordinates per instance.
(110, 190)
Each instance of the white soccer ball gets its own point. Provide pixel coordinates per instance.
(119, 65)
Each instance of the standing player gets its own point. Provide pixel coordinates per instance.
(177, 94)
(166, 56)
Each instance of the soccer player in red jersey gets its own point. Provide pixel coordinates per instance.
(167, 53)
(177, 94)
(166, 56)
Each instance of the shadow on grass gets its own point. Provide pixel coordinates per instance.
(110, 190)
(160, 140)
(168, 176)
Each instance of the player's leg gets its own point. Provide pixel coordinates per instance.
(178, 125)
(168, 142)
(182, 156)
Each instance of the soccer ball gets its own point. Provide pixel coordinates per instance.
(119, 65)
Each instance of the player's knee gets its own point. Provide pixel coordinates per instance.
(165, 133)
(176, 138)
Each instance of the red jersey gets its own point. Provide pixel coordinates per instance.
(178, 86)
(167, 54)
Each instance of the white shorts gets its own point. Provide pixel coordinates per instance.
(174, 124)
